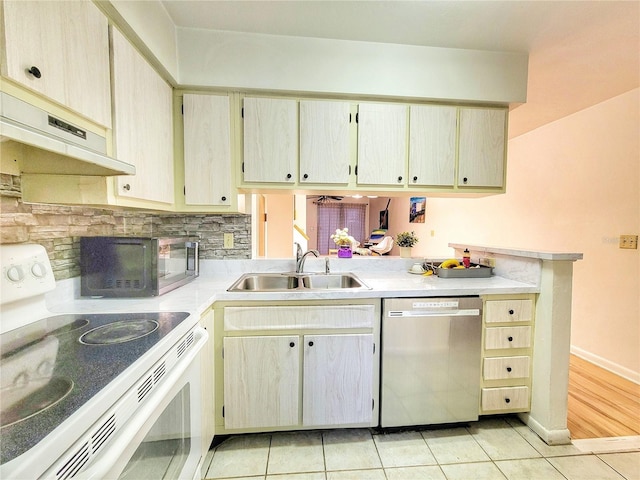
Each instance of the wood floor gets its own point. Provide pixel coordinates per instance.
(601, 404)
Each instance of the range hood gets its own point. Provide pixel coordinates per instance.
(41, 143)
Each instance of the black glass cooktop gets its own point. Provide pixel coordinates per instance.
(52, 367)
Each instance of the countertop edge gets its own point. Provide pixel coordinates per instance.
(539, 254)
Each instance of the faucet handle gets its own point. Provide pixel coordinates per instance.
(298, 251)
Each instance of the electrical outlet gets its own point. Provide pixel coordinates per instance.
(228, 240)
(487, 262)
(629, 241)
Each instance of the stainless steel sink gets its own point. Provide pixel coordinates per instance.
(270, 282)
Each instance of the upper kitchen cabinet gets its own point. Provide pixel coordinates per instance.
(382, 144)
(432, 145)
(143, 133)
(325, 144)
(482, 147)
(270, 140)
(60, 50)
(207, 150)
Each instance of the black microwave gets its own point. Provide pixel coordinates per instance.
(136, 266)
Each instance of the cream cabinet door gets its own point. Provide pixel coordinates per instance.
(432, 145)
(382, 144)
(270, 140)
(261, 380)
(68, 44)
(338, 377)
(324, 142)
(482, 147)
(143, 132)
(207, 149)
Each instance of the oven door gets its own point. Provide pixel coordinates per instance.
(162, 440)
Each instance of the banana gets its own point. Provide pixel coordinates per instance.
(459, 266)
(451, 263)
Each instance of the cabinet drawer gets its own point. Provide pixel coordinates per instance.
(507, 337)
(497, 311)
(499, 368)
(506, 398)
(297, 317)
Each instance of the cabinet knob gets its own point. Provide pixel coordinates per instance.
(415, 179)
(35, 71)
(305, 176)
(465, 180)
(507, 400)
(292, 344)
(311, 344)
(224, 199)
(399, 179)
(508, 369)
(511, 312)
(288, 176)
(126, 187)
(510, 339)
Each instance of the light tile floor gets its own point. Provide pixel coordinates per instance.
(492, 449)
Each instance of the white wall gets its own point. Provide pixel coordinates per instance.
(572, 185)
(281, 63)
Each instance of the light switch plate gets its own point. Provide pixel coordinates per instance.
(629, 241)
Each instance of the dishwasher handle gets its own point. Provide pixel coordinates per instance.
(463, 312)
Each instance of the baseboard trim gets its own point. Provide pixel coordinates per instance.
(550, 437)
(608, 365)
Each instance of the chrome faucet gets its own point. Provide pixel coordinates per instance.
(300, 261)
(298, 252)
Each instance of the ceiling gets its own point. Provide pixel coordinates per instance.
(580, 52)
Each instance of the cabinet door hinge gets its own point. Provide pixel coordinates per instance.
(373, 404)
(182, 108)
(374, 348)
(349, 118)
(222, 411)
(356, 170)
(349, 169)
(242, 167)
(184, 190)
(242, 112)
(357, 117)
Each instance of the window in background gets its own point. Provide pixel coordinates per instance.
(340, 215)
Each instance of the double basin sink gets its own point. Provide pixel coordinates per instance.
(270, 282)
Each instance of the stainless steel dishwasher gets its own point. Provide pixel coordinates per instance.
(430, 360)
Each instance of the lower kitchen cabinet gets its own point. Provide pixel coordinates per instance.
(297, 366)
(261, 381)
(338, 379)
(508, 323)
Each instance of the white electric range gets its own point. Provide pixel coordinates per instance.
(102, 395)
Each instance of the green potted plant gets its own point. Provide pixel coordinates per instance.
(406, 240)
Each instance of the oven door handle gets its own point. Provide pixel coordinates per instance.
(110, 458)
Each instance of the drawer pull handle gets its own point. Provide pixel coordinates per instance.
(510, 339)
(311, 344)
(507, 400)
(508, 369)
(292, 344)
(511, 312)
